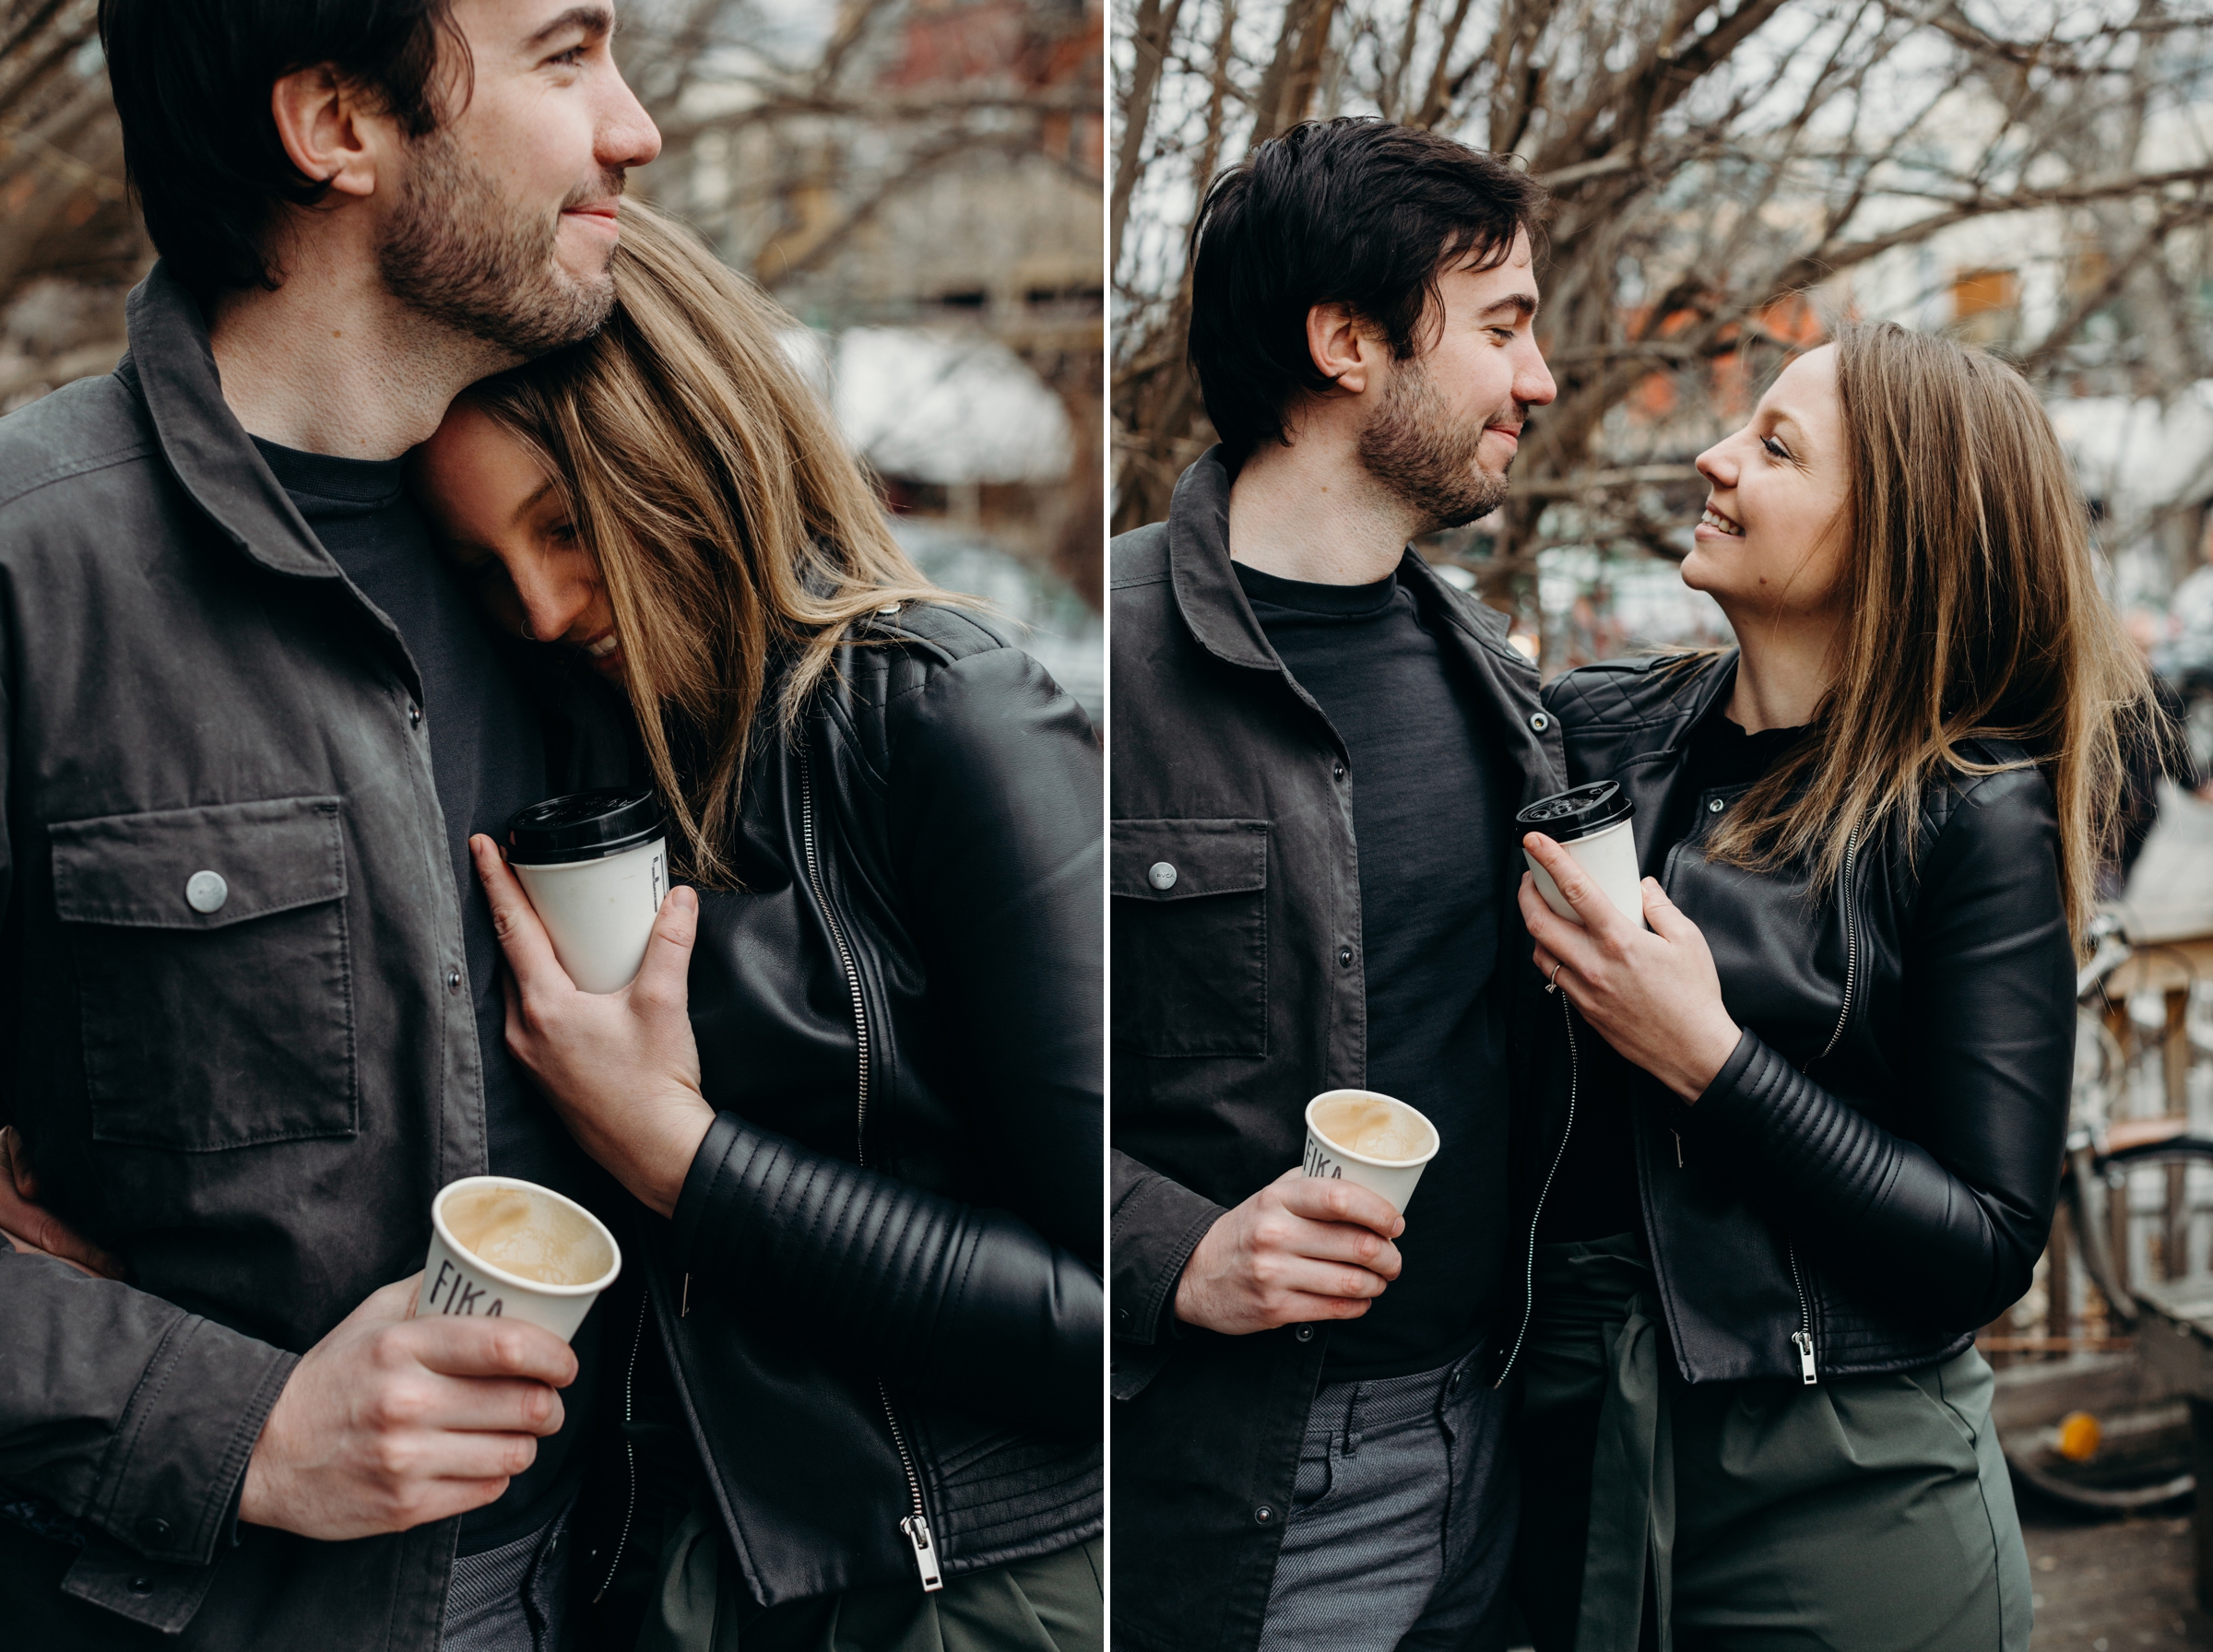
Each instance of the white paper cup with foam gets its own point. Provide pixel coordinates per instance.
(1340, 1122)
(596, 868)
(548, 1260)
(1596, 825)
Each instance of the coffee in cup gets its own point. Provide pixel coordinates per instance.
(1376, 1141)
(1594, 823)
(596, 866)
(503, 1248)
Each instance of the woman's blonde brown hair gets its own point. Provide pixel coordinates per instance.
(1972, 610)
(735, 531)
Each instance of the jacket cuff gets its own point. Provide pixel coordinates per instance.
(1725, 1095)
(171, 1479)
(1165, 1219)
(698, 1181)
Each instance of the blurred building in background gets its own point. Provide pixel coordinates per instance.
(919, 181)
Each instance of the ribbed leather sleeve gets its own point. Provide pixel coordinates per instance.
(1949, 1225)
(958, 1302)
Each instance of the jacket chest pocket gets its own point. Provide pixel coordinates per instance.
(1190, 937)
(216, 1003)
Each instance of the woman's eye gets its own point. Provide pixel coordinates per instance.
(1775, 449)
(563, 533)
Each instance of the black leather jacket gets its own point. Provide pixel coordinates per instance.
(1874, 1168)
(880, 1295)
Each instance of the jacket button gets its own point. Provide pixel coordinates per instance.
(142, 1586)
(153, 1529)
(1340, 771)
(1539, 721)
(1264, 1515)
(1714, 806)
(1305, 1333)
(453, 980)
(206, 891)
(1161, 876)
(1344, 958)
(414, 716)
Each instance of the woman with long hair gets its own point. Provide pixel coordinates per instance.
(855, 1086)
(1820, 1084)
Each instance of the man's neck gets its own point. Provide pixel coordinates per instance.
(1312, 512)
(332, 363)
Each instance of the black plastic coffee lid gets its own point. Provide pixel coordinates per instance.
(584, 826)
(1584, 811)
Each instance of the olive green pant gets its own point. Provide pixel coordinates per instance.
(1055, 1603)
(1871, 1513)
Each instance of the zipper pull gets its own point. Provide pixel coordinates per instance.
(917, 1527)
(1676, 1134)
(1805, 1356)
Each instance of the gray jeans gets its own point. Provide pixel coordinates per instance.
(1402, 1522)
(510, 1599)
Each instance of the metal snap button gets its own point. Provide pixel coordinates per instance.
(1714, 806)
(206, 891)
(1344, 958)
(1162, 876)
(1341, 771)
(153, 1529)
(1539, 721)
(1305, 1333)
(1264, 1515)
(453, 980)
(142, 1586)
(414, 716)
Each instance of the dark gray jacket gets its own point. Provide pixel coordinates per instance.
(1236, 996)
(250, 1106)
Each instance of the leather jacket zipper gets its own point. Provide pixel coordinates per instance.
(1802, 1337)
(629, 1453)
(914, 1528)
(1529, 1278)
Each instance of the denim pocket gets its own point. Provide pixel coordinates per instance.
(214, 982)
(1190, 937)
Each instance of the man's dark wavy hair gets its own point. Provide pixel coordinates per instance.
(1354, 211)
(192, 80)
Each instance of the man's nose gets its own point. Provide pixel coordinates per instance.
(1532, 380)
(627, 135)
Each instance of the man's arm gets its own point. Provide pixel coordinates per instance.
(1300, 1249)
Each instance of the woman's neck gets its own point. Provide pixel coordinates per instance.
(1783, 669)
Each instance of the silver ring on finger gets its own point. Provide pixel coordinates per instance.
(1551, 981)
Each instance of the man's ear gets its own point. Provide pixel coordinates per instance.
(327, 128)
(1343, 349)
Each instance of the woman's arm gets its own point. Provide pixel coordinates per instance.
(1947, 1226)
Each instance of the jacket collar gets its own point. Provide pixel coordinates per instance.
(1206, 587)
(208, 449)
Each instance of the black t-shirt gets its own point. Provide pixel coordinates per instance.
(488, 759)
(1433, 806)
(1593, 1192)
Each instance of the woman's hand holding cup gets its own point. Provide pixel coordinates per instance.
(1651, 993)
(621, 1068)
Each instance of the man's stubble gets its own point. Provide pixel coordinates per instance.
(460, 256)
(1415, 447)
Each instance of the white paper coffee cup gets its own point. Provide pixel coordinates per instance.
(595, 867)
(1393, 1177)
(1596, 825)
(458, 1283)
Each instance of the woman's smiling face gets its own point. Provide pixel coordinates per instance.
(1770, 542)
(506, 524)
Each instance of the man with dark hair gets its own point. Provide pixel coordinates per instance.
(249, 1014)
(1319, 750)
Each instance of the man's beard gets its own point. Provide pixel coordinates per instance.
(458, 253)
(1426, 456)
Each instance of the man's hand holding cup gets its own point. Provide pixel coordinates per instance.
(1302, 1248)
